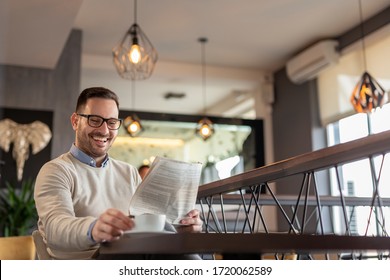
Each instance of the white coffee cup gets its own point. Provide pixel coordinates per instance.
(149, 222)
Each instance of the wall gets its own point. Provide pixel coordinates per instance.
(296, 130)
(53, 90)
(295, 116)
(343, 77)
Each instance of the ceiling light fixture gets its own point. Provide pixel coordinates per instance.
(135, 56)
(368, 93)
(205, 127)
(132, 123)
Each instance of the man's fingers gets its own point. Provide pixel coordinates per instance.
(111, 225)
(193, 213)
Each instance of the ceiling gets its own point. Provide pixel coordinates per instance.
(248, 40)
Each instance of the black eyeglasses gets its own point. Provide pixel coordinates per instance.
(97, 121)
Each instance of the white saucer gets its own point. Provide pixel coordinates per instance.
(147, 232)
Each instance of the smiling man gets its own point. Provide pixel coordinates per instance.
(82, 197)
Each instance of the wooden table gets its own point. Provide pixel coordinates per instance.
(237, 243)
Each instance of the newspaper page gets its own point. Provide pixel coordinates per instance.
(170, 187)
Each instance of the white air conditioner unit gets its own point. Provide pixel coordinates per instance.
(309, 63)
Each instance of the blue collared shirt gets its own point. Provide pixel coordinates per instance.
(84, 158)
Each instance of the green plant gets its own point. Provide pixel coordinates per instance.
(18, 214)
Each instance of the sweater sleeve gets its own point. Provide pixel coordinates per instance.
(53, 198)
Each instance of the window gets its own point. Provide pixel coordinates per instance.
(173, 136)
(356, 177)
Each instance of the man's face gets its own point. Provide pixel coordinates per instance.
(95, 141)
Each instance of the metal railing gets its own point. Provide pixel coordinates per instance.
(239, 204)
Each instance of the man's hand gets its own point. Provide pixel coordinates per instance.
(111, 225)
(191, 223)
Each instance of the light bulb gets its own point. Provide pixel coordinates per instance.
(134, 127)
(205, 130)
(135, 54)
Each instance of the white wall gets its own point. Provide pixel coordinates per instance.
(335, 85)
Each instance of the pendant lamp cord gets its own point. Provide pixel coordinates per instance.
(133, 94)
(203, 41)
(135, 11)
(362, 35)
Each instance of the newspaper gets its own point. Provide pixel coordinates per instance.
(170, 187)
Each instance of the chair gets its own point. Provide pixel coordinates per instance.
(40, 245)
(17, 248)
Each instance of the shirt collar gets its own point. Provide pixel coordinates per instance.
(84, 158)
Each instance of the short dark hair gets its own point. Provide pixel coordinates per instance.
(96, 92)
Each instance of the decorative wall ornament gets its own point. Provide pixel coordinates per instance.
(37, 134)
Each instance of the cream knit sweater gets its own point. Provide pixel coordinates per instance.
(70, 195)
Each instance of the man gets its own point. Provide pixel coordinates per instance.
(82, 197)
